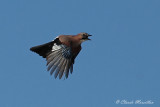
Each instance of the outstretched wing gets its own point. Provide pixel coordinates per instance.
(60, 58)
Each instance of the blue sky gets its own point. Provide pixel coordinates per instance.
(122, 62)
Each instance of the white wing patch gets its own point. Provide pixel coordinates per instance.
(56, 47)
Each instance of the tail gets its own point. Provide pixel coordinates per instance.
(44, 49)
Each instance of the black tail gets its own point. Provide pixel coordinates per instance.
(44, 49)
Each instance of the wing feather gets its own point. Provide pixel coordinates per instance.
(71, 68)
(54, 61)
(54, 67)
(62, 70)
(59, 67)
(52, 56)
(67, 69)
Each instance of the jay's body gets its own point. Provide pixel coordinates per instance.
(61, 53)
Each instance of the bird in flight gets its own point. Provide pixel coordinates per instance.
(61, 53)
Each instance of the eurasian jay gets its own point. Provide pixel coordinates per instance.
(61, 53)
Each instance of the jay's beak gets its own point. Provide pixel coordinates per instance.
(89, 38)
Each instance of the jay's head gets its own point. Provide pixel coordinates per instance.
(84, 36)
